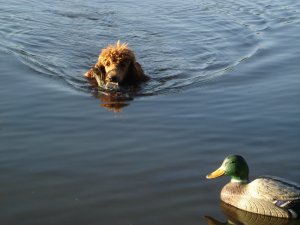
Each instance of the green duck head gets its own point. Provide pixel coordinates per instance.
(234, 166)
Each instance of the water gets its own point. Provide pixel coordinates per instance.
(224, 79)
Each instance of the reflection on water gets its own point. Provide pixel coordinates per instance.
(113, 102)
(62, 40)
(236, 216)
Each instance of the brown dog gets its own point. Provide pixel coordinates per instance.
(117, 64)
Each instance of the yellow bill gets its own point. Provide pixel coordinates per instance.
(217, 173)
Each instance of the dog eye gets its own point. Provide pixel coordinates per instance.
(108, 63)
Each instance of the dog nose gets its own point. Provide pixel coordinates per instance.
(112, 79)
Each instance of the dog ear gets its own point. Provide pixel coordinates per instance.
(89, 73)
(136, 72)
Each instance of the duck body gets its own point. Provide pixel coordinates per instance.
(266, 195)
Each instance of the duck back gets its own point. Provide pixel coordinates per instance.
(265, 195)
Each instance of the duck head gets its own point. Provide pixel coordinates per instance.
(234, 166)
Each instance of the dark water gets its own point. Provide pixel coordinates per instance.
(225, 78)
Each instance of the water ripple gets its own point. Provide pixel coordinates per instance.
(180, 45)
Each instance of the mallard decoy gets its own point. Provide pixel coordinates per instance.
(266, 195)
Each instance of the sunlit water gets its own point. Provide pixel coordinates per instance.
(224, 79)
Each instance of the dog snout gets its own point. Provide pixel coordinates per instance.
(112, 78)
(115, 75)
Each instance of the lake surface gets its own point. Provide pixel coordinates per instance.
(225, 79)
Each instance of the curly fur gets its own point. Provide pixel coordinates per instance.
(117, 63)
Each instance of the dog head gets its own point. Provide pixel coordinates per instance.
(115, 62)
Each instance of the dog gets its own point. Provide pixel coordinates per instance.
(117, 65)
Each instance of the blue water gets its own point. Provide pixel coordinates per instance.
(225, 78)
